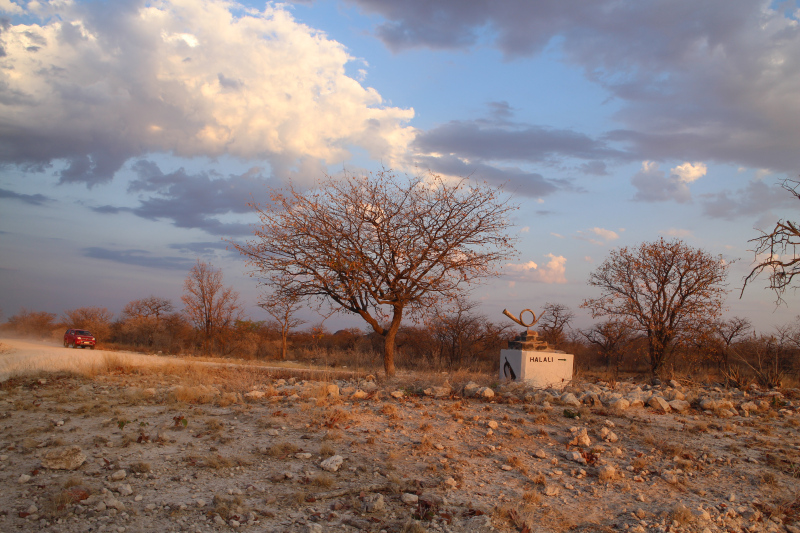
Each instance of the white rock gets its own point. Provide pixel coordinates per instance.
(374, 503)
(24, 478)
(332, 464)
(569, 399)
(620, 405)
(119, 475)
(125, 490)
(200, 503)
(576, 457)
(409, 498)
(303, 455)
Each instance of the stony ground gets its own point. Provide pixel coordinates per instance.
(130, 450)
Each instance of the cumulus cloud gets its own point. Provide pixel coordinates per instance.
(654, 185)
(712, 81)
(553, 272)
(95, 86)
(12, 8)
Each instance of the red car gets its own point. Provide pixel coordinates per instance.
(78, 337)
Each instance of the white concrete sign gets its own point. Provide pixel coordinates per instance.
(542, 369)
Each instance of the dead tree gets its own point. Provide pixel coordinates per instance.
(555, 319)
(777, 251)
(210, 306)
(380, 246)
(282, 305)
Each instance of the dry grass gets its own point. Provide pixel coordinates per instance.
(326, 450)
(682, 515)
(324, 481)
(229, 506)
(282, 449)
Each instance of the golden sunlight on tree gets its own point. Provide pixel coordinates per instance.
(662, 289)
(212, 307)
(777, 251)
(381, 246)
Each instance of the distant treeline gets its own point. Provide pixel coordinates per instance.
(727, 351)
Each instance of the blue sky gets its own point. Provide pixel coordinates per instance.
(133, 133)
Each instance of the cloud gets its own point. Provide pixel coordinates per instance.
(12, 8)
(184, 77)
(605, 235)
(716, 81)
(32, 199)
(193, 201)
(757, 198)
(494, 148)
(553, 272)
(689, 172)
(653, 185)
(140, 258)
(678, 233)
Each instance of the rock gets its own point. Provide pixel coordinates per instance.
(551, 490)
(492, 424)
(408, 498)
(369, 385)
(485, 392)
(659, 404)
(24, 478)
(68, 458)
(200, 503)
(396, 394)
(471, 389)
(373, 503)
(119, 475)
(608, 435)
(581, 438)
(450, 482)
(359, 395)
(606, 473)
(115, 504)
(747, 407)
(255, 395)
(125, 490)
(669, 477)
(332, 464)
(437, 392)
(302, 455)
(620, 404)
(332, 390)
(569, 399)
(680, 405)
(314, 528)
(576, 457)
(541, 454)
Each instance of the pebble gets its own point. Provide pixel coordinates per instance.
(332, 464)
(119, 475)
(409, 498)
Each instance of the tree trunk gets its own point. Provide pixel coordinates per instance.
(283, 346)
(389, 344)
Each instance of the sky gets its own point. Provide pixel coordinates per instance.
(133, 134)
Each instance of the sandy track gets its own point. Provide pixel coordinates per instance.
(24, 356)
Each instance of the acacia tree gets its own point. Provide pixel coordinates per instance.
(555, 318)
(379, 246)
(780, 249)
(610, 337)
(212, 307)
(96, 319)
(662, 289)
(143, 318)
(282, 305)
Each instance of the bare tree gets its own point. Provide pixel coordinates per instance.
(282, 306)
(610, 338)
(96, 319)
(208, 304)
(143, 318)
(780, 248)
(661, 289)
(150, 307)
(381, 247)
(555, 319)
(730, 331)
